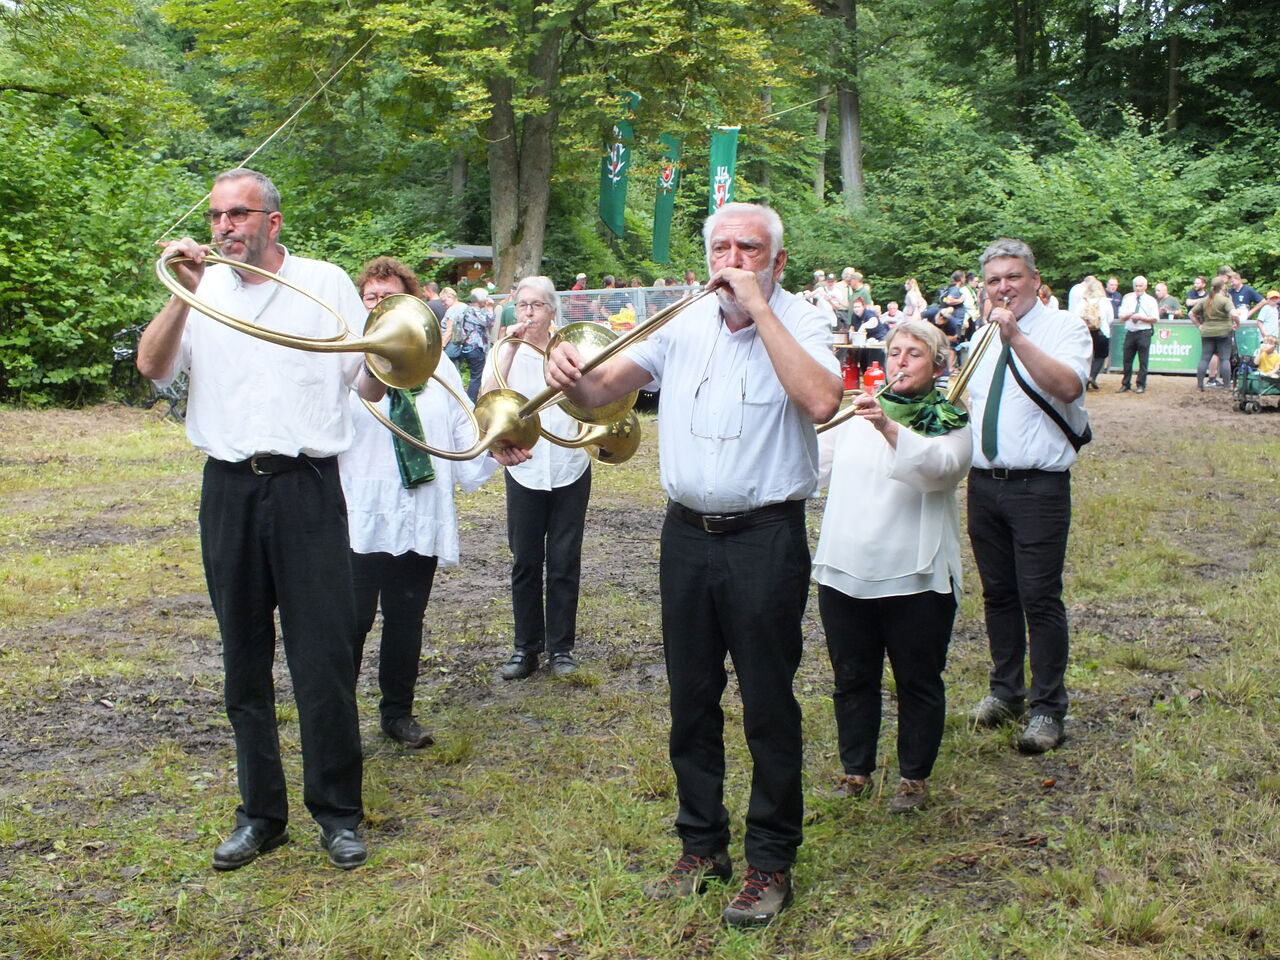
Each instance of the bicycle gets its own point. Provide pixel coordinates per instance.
(136, 391)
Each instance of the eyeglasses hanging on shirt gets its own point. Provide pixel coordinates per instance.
(718, 406)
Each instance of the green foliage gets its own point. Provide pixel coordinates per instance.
(73, 267)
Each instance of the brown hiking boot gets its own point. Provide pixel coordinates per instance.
(690, 876)
(762, 897)
(852, 785)
(910, 795)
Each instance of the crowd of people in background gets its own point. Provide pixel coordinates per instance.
(960, 308)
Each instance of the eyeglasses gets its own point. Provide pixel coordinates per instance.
(237, 215)
(532, 305)
(372, 299)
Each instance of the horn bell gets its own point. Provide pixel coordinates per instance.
(402, 341)
(590, 339)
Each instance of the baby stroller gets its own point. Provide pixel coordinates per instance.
(1249, 386)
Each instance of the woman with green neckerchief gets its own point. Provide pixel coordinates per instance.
(888, 560)
(401, 513)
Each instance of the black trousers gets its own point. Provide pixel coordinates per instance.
(271, 542)
(544, 530)
(1137, 343)
(404, 585)
(742, 594)
(1019, 533)
(915, 631)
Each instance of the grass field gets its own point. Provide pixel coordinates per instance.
(528, 829)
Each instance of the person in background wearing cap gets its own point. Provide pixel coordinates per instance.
(1269, 315)
(471, 335)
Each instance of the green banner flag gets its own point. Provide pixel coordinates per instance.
(665, 205)
(724, 157)
(613, 173)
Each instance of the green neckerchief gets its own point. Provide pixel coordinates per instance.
(929, 416)
(415, 465)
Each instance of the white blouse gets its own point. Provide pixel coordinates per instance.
(891, 526)
(382, 515)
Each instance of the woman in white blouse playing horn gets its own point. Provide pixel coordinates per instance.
(888, 560)
(401, 514)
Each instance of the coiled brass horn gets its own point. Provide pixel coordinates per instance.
(401, 342)
(614, 442)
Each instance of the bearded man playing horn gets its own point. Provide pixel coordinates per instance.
(744, 378)
(273, 528)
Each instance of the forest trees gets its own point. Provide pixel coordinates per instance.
(1117, 137)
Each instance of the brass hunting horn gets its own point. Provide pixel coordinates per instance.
(401, 341)
(614, 442)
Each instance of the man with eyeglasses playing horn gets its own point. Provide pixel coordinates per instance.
(743, 377)
(273, 528)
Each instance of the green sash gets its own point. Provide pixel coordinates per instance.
(929, 415)
(415, 465)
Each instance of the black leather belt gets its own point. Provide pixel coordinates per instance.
(1004, 473)
(266, 464)
(733, 522)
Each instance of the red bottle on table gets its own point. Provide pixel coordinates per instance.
(873, 379)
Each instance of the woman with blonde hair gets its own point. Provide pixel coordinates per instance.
(1095, 310)
(913, 303)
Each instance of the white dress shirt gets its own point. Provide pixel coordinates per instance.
(384, 516)
(729, 438)
(550, 466)
(1027, 439)
(248, 396)
(1145, 306)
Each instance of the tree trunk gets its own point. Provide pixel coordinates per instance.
(1175, 57)
(850, 109)
(766, 100)
(520, 161)
(820, 167)
(851, 147)
(457, 179)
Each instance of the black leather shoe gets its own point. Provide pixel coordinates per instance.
(1123, 390)
(346, 849)
(563, 664)
(408, 731)
(522, 664)
(244, 844)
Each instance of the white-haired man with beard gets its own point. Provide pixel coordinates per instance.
(744, 376)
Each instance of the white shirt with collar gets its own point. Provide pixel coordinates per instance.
(1145, 305)
(248, 396)
(1027, 439)
(729, 438)
(384, 516)
(550, 465)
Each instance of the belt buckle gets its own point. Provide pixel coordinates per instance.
(999, 473)
(253, 465)
(709, 521)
